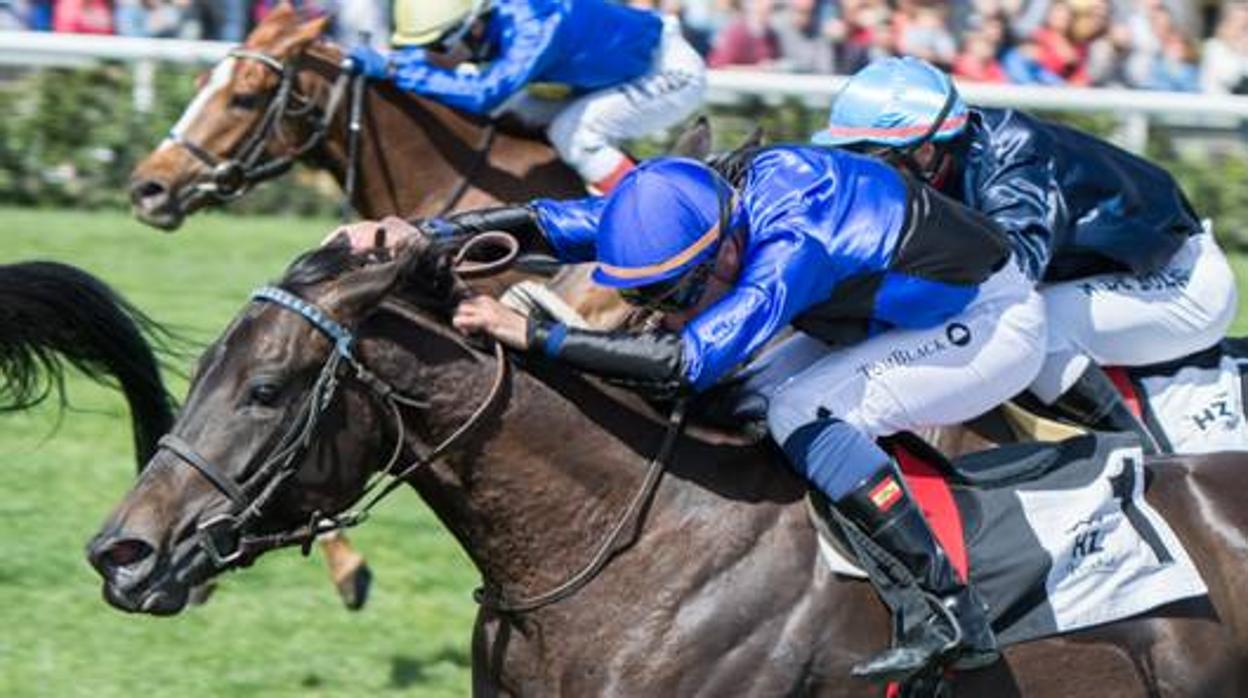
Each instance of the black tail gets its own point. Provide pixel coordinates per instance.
(52, 314)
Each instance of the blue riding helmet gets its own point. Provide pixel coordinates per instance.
(662, 220)
(895, 103)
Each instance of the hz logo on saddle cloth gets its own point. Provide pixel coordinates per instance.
(1059, 537)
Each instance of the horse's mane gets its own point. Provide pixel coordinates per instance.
(734, 164)
(322, 264)
(425, 277)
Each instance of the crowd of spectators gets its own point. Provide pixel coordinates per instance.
(1149, 44)
(221, 20)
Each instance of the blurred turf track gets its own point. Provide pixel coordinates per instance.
(277, 629)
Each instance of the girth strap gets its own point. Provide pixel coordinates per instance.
(181, 449)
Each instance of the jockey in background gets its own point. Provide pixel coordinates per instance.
(1129, 275)
(908, 312)
(590, 72)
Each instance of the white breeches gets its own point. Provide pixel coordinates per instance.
(586, 129)
(909, 379)
(1130, 320)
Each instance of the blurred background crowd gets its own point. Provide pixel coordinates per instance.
(1179, 45)
(1148, 44)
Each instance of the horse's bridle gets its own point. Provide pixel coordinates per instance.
(225, 540)
(233, 175)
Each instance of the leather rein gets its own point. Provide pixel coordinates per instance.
(226, 540)
(231, 176)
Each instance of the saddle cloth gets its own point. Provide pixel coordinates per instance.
(1057, 537)
(1195, 404)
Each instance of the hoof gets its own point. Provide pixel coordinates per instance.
(354, 587)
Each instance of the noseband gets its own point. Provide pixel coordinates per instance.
(231, 176)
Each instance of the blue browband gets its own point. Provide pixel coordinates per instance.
(340, 335)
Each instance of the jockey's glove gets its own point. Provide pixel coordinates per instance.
(520, 221)
(369, 62)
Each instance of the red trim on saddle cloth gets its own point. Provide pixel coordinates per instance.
(931, 492)
(1122, 381)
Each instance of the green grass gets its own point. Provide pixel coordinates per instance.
(274, 630)
(277, 629)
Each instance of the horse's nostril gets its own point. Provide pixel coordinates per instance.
(124, 553)
(146, 190)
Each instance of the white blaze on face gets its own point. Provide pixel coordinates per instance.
(217, 81)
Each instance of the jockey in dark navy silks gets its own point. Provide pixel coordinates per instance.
(909, 311)
(1129, 275)
(591, 72)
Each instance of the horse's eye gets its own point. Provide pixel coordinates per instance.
(264, 394)
(247, 101)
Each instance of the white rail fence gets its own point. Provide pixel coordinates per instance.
(1134, 108)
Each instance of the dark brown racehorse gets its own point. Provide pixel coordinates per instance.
(722, 592)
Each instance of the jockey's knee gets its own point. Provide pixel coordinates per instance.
(834, 456)
(585, 148)
(1217, 294)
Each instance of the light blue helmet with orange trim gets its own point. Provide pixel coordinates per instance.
(662, 220)
(895, 103)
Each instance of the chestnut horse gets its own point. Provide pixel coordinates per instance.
(416, 157)
(715, 588)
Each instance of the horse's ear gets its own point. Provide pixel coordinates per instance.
(695, 142)
(755, 139)
(362, 289)
(282, 13)
(297, 38)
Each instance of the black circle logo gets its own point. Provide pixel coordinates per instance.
(958, 334)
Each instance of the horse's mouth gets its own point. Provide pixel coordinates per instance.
(165, 599)
(166, 218)
(165, 590)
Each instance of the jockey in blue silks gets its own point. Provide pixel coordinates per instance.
(590, 72)
(908, 309)
(1130, 276)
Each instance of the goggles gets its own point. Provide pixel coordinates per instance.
(673, 295)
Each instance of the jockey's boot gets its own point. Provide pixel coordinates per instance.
(958, 633)
(1094, 401)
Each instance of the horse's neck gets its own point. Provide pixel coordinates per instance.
(542, 482)
(414, 156)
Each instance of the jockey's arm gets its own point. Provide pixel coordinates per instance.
(562, 229)
(525, 50)
(774, 287)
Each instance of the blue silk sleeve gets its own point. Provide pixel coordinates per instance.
(571, 226)
(783, 276)
(525, 49)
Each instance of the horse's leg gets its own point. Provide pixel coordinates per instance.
(347, 569)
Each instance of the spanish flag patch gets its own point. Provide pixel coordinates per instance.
(885, 494)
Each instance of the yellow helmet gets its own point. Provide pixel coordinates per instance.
(421, 22)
